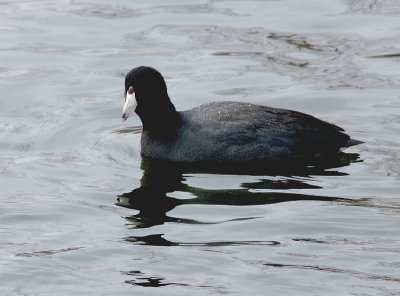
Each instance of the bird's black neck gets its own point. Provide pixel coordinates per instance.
(160, 120)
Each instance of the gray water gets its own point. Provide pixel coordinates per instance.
(69, 223)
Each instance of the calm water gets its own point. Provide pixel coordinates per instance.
(72, 218)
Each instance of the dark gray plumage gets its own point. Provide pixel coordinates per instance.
(225, 132)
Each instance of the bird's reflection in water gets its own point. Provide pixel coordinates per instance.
(160, 178)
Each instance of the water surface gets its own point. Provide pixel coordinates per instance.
(80, 216)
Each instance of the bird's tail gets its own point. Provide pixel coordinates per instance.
(352, 142)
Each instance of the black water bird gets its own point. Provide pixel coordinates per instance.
(224, 133)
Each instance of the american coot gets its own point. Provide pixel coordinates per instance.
(223, 132)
